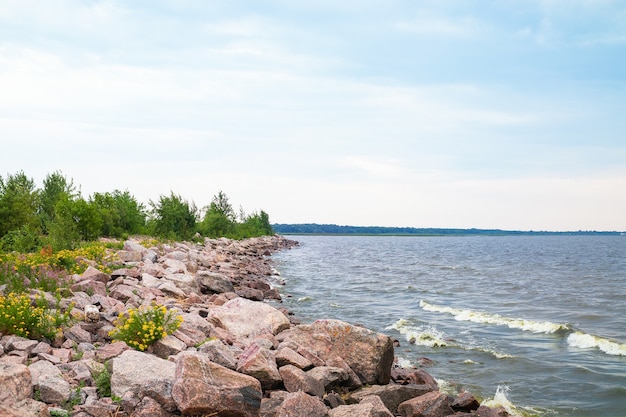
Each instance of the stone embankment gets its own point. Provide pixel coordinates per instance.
(234, 354)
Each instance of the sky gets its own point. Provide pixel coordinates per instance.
(420, 113)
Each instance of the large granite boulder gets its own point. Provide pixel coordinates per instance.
(295, 379)
(299, 404)
(432, 404)
(16, 382)
(259, 363)
(392, 395)
(368, 353)
(245, 318)
(144, 374)
(371, 406)
(202, 387)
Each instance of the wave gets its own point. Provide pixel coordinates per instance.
(575, 338)
(586, 341)
(500, 400)
(492, 318)
(423, 335)
(430, 336)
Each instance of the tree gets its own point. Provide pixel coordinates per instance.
(219, 219)
(120, 213)
(221, 205)
(55, 186)
(18, 203)
(173, 217)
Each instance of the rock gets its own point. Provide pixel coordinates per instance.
(432, 404)
(299, 404)
(129, 256)
(244, 318)
(203, 387)
(484, 411)
(100, 408)
(150, 281)
(213, 282)
(333, 400)
(370, 406)
(16, 382)
(269, 406)
(369, 354)
(149, 408)
(174, 266)
(42, 347)
(392, 395)
(167, 346)
(187, 283)
(354, 381)
(53, 389)
(295, 379)
(250, 293)
(137, 371)
(287, 356)
(465, 402)
(110, 351)
(24, 408)
(413, 376)
(92, 313)
(90, 286)
(77, 334)
(329, 376)
(216, 351)
(43, 369)
(26, 346)
(94, 274)
(259, 363)
(131, 245)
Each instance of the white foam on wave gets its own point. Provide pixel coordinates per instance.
(305, 298)
(492, 318)
(587, 341)
(404, 363)
(501, 400)
(430, 336)
(421, 335)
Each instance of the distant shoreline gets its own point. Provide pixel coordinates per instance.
(333, 229)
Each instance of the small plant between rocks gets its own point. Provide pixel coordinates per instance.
(143, 326)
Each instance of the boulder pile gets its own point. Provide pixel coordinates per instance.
(234, 355)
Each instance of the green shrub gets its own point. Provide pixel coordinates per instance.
(102, 379)
(143, 326)
(19, 317)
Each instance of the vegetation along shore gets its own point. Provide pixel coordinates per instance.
(106, 325)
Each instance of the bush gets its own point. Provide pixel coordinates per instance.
(19, 317)
(141, 327)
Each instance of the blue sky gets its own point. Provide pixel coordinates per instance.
(442, 113)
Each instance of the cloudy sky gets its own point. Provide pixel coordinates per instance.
(424, 113)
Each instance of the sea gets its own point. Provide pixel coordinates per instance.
(536, 324)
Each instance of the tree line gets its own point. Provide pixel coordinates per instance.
(56, 215)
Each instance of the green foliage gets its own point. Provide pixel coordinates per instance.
(20, 240)
(55, 187)
(18, 203)
(173, 217)
(120, 213)
(141, 327)
(102, 379)
(58, 217)
(220, 221)
(19, 317)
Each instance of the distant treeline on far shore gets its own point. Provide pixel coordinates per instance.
(333, 229)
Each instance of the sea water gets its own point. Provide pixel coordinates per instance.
(534, 323)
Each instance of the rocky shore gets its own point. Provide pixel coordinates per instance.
(234, 355)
